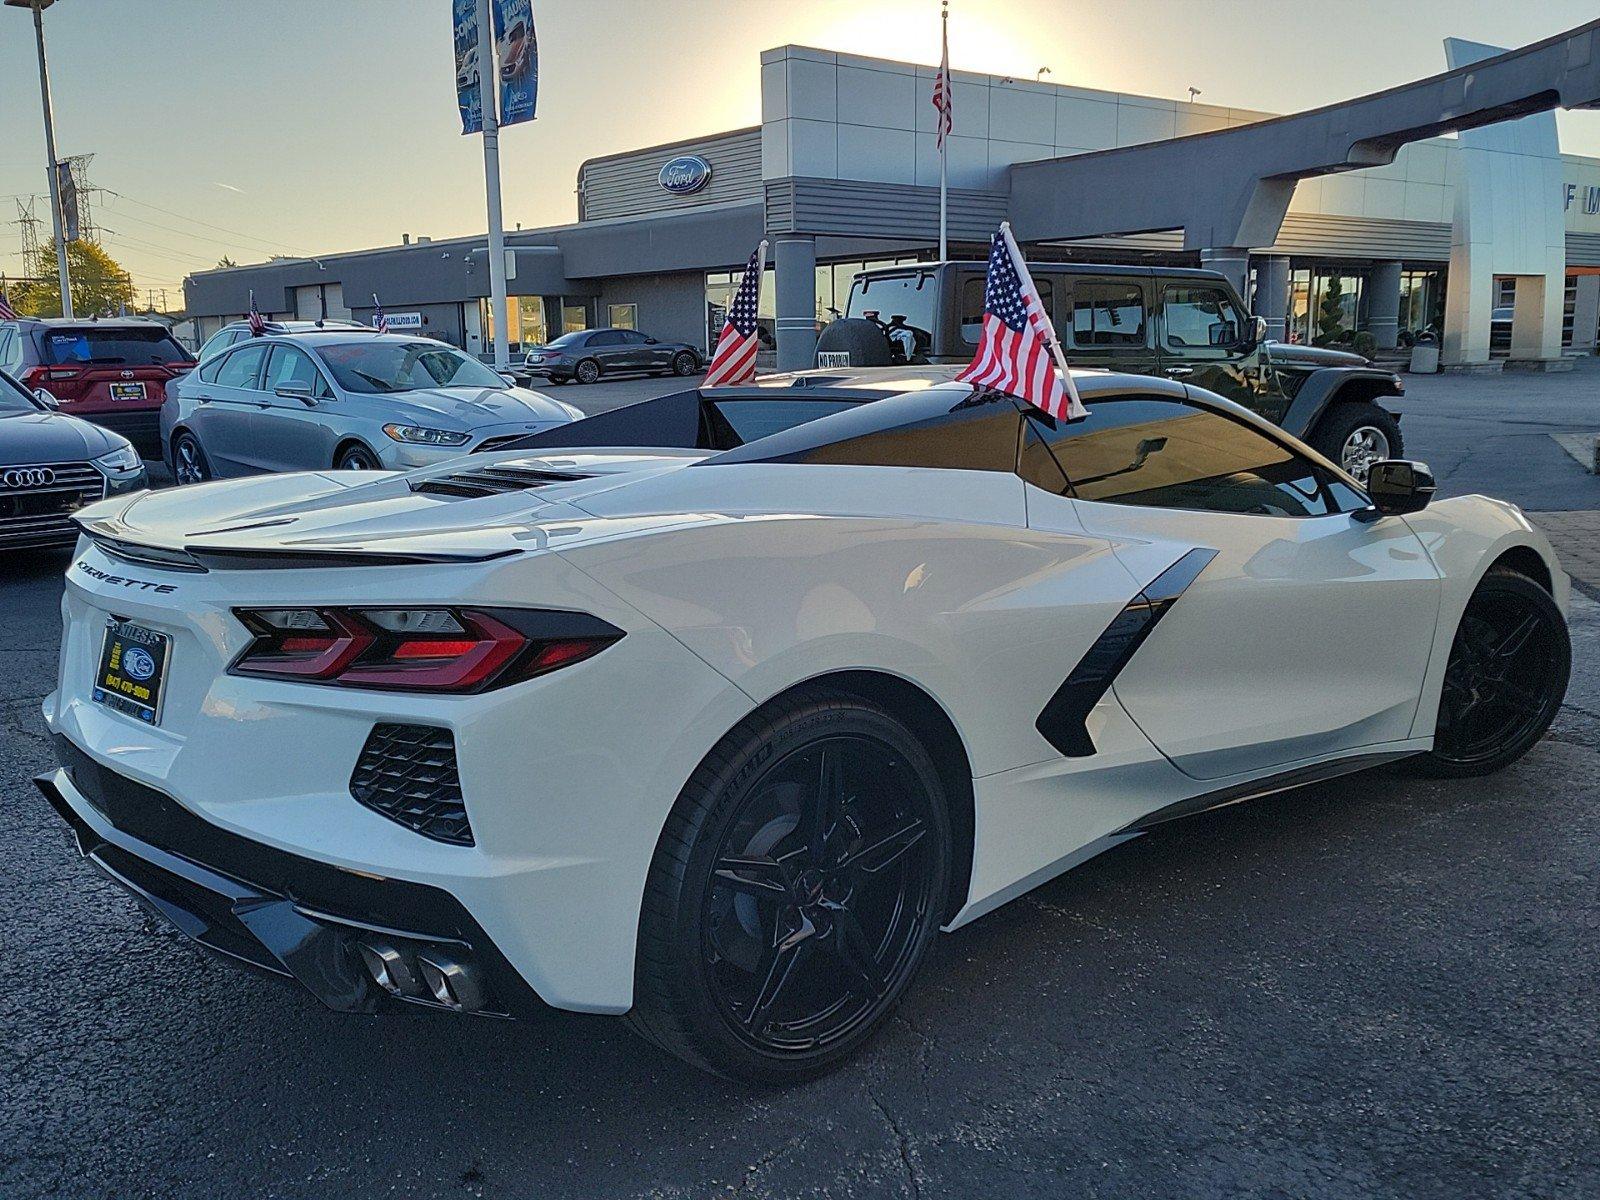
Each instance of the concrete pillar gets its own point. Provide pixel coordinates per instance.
(794, 256)
(1272, 295)
(1383, 304)
(1586, 314)
(1232, 261)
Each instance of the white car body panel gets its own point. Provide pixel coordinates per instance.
(734, 583)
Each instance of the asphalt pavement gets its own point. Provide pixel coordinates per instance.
(1379, 986)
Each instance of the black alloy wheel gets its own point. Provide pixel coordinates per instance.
(588, 371)
(1505, 680)
(684, 363)
(189, 462)
(358, 458)
(796, 890)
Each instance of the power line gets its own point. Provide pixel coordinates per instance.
(219, 228)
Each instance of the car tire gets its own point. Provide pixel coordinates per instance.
(356, 458)
(1356, 435)
(684, 364)
(588, 371)
(1504, 681)
(189, 461)
(779, 967)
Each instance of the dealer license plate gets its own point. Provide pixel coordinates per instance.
(127, 391)
(133, 669)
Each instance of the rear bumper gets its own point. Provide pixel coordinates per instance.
(288, 915)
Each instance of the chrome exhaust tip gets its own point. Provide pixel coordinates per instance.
(451, 982)
(389, 969)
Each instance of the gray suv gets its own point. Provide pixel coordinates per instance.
(350, 399)
(1179, 323)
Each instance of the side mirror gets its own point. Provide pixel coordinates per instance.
(44, 397)
(510, 379)
(1258, 330)
(1397, 486)
(650, 341)
(295, 391)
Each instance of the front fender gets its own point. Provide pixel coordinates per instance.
(1463, 537)
(1328, 385)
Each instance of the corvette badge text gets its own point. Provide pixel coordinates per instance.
(144, 585)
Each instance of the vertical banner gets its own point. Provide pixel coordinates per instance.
(469, 86)
(67, 186)
(518, 52)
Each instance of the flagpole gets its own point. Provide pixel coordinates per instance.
(488, 80)
(944, 139)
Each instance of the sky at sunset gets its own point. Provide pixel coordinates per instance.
(308, 126)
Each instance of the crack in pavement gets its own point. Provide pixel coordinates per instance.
(902, 1144)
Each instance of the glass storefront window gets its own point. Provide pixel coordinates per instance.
(623, 316)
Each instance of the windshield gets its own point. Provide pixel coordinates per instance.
(904, 306)
(108, 344)
(404, 367)
(14, 397)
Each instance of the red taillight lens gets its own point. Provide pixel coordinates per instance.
(417, 649)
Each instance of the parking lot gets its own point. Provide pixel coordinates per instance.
(1378, 986)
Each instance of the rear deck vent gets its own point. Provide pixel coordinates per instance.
(408, 774)
(491, 481)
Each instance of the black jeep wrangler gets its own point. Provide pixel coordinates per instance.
(1178, 322)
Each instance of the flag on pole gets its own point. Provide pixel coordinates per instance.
(379, 322)
(7, 313)
(257, 325)
(735, 357)
(1019, 353)
(941, 90)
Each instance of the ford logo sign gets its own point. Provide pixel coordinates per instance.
(685, 175)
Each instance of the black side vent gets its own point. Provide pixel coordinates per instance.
(1063, 721)
(408, 774)
(491, 481)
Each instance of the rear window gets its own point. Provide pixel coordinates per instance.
(906, 306)
(746, 420)
(128, 347)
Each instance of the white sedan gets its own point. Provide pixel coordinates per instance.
(719, 733)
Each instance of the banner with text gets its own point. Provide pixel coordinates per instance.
(518, 52)
(469, 72)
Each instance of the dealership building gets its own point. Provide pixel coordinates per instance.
(843, 173)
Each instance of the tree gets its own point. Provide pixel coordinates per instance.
(1330, 315)
(224, 262)
(100, 284)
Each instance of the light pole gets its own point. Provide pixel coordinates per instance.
(38, 7)
(488, 83)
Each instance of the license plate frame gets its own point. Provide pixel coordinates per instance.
(128, 391)
(131, 670)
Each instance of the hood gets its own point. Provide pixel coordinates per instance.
(473, 408)
(470, 508)
(1292, 354)
(46, 437)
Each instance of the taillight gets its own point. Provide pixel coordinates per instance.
(417, 649)
(64, 383)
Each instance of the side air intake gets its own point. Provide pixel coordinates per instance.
(491, 481)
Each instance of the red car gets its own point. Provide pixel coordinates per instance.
(113, 372)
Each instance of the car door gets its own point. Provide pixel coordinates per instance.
(294, 427)
(1207, 340)
(649, 354)
(1104, 321)
(1293, 628)
(606, 347)
(226, 407)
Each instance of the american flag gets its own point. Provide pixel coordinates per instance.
(7, 313)
(1019, 354)
(379, 322)
(257, 325)
(735, 357)
(941, 89)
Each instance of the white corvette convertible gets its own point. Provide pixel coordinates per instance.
(719, 730)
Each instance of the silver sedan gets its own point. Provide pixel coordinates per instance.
(343, 399)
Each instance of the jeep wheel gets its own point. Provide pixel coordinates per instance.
(1357, 435)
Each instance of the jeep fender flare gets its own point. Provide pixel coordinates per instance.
(1328, 386)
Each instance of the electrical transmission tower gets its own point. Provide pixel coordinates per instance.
(29, 223)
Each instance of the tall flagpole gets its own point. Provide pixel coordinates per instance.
(944, 138)
(488, 81)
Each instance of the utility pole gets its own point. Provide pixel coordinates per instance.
(488, 93)
(38, 7)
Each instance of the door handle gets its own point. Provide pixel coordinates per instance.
(1179, 372)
